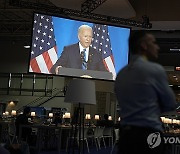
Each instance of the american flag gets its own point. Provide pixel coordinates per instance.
(43, 50)
(101, 42)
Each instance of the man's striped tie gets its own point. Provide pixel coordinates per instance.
(84, 63)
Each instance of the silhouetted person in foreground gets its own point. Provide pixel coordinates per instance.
(143, 94)
(3, 150)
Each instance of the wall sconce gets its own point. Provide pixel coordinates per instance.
(110, 118)
(13, 112)
(11, 103)
(96, 117)
(88, 116)
(33, 114)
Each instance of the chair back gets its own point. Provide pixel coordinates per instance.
(85, 133)
(98, 131)
(12, 133)
(108, 131)
(116, 134)
(12, 128)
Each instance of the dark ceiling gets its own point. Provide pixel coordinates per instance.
(17, 20)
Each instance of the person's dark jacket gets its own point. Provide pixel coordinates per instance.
(22, 119)
(71, 58)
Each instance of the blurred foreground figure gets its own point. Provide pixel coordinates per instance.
(143, 94)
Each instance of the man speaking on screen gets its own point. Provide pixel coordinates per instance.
(80, 55)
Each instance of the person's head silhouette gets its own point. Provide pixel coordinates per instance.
(106, 116)
(26, 110)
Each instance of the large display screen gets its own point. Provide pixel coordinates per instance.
(76, 48)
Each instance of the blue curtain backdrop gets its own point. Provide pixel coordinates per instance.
(66, 31)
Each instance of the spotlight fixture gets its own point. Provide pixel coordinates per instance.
(90, 5)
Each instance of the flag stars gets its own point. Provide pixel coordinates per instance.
(39, 31)
(102, 41)
(94, 47)
(44, 39)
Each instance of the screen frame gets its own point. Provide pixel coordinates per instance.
(80, 20)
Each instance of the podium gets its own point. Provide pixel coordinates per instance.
(85, 73)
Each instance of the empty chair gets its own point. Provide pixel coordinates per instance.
(98, 136)
(116, 131)
(12, 133)
(76, 138)
(108, 133)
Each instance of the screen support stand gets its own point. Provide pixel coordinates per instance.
(79, 126)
